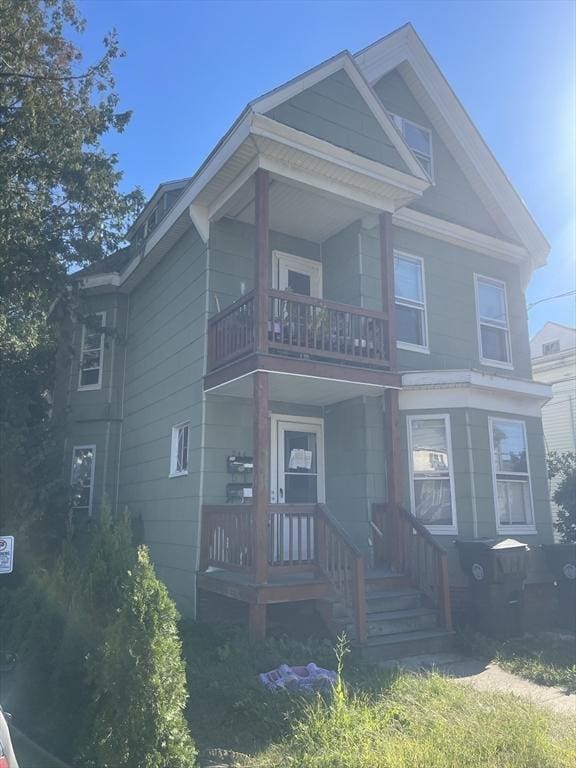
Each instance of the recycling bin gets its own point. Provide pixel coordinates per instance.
(496, 572)
(561, 559)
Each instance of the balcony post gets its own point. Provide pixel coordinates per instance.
(260, 496)
(391, 411)
(262, 225)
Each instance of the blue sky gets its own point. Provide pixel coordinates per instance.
(191, 67)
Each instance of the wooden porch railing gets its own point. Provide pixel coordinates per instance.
(300, 537)
(227, 537)
(231, 332)
(409, 547)
(296, 324)
(341, 562)
(291, 535)
(326, 329)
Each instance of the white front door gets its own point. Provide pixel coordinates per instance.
(297, 466)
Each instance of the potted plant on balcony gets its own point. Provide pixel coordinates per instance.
(561, 556)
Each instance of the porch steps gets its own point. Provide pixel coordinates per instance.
(398, 622)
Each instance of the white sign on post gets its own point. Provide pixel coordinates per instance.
(6, 554)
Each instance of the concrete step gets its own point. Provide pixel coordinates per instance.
(393, 600)
(383, 647)
(400, 622)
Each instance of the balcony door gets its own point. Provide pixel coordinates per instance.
(296, 274)
(297, 460)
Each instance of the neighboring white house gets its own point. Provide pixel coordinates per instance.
(553, 352)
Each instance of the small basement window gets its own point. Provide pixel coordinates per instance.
(179, 450)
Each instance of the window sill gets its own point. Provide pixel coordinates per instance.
(517, 530)
(178, 474)
(496, 364)
(89, 387)
(412, 347)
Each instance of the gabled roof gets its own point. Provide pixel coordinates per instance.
(344, 61)
(161, 189)
(403, 49)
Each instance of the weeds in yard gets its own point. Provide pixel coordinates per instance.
(545, 659)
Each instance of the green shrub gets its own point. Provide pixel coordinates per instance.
(139, 682)
(563, 466)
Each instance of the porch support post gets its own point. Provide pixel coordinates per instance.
(260, 495)
(391, 411)
(262, 226)
(256, 622)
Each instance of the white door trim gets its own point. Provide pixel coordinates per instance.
(304, 421)
(281, 260)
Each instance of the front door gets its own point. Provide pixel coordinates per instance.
(297, 471)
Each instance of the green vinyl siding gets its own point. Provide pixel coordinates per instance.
(164, 370)
(451, 197)
(334, 110)
(451, 307)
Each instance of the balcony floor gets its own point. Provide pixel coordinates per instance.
(294, 380)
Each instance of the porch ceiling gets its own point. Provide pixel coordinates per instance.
(297, 210)
(294, 388)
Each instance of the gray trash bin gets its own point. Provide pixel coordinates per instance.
(496, 571)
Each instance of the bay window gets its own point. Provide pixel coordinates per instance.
(511, 475)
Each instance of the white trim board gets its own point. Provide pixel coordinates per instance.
(472, 389)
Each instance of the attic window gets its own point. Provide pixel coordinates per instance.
(418, 138)
(151, 222)
(551, 347)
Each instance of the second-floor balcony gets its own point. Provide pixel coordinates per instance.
(301, 327)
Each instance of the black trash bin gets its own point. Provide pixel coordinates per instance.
(561, 560)
(496, 571)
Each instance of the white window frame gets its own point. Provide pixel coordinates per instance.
(92, 472)
(509, 365)
(297, 264)
(399, 122)
(422, 348)
(517, 528)
(174, 471)
(440, 530)
(98, 385)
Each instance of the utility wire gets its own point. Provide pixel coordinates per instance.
(549, 298)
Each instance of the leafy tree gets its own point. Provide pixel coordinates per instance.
(60, 208)
(563, 467)
(140, 682)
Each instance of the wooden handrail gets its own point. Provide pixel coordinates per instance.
(227, 537)
(341, 562)
(411, 549)
(230, 308)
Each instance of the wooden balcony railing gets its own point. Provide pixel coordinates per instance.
(291, 535)
(231, 332)
(302, 326)
(409, 547)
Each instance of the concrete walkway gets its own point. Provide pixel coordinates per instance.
(488, 676)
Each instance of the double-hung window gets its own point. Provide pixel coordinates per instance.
(90, 376)
(419, 139)
(511, 476)
(411, 326)
(431, 472)
(82, 479)
(493, 326)
(179, 450)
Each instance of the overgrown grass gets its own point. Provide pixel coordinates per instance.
(373, 719)
(545, 659)
(424, 721)
(229, 708)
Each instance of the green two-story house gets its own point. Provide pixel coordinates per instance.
(313, 373)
